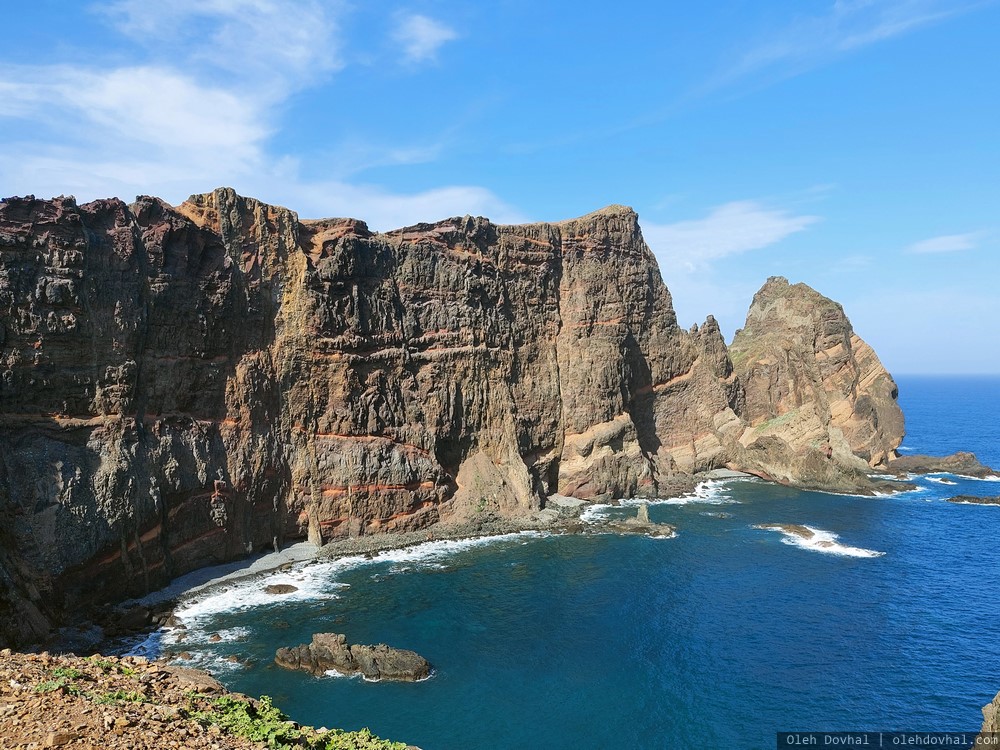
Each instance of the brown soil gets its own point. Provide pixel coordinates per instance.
(106, 703)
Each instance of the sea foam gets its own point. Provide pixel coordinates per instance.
(820, 541)
(317, 580)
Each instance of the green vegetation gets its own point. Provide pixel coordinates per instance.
(785, 418)
(70, 673)
(119, 696)
(262, 722)
(50, 685)
(105, 665)
(259, 721)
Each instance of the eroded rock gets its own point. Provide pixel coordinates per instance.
(330, 651)
(974, 500)
(182, 386)
(961, 463)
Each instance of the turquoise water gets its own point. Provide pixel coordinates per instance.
(716, 638)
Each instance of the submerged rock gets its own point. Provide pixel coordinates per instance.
(280, 588)
(795, 529)
(974, 500)
(330, 651)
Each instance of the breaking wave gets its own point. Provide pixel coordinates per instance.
(817, 540)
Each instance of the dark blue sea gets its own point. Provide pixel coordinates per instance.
(716, 638)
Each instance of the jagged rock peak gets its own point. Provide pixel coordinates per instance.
(813, 385)
(614, 210)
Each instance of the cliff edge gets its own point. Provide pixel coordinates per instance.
(182, 386)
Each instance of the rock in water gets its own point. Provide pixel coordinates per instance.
(974, 500)
(280, 588)
(961, 463)
(181, 386)
(991, 723)
(330, 651)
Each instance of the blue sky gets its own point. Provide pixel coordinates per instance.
(853, 145)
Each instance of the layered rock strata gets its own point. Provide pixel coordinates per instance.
(820, 409)
(180, 386)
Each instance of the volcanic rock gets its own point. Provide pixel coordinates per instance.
(820, 409)
(991, 722)
(330, 651)
(962, 463)
(280, 588)
(974, 500)
(183, 386)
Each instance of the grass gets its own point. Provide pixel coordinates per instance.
(70, 673)
(261, 721)
(116, 697)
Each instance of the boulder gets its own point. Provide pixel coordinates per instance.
(280, 588)
(330, 651)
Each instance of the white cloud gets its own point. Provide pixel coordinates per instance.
(421, 37)
(728, 229)
(382, 209)
(104, 133)
(198, 112)
(274, 43)
(845, 26)
(947, 243)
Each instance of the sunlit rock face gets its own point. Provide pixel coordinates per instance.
(180, 386)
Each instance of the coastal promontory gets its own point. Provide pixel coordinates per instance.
(185, 385)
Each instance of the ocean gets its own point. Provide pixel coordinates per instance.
(718, 637)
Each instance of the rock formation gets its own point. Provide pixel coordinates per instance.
(331, 652)
(961, 463)
(180, 386)
(974, 500)
(820, 408)
(990, 730)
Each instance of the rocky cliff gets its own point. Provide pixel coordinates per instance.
(181, 386)
(820, 408)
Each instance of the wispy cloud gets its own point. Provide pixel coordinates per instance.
(272, 42)
(200, 99)
(386, 209)
(947, 243)
(845, 26)
(728, 229)
(197, 105)
(420, 37)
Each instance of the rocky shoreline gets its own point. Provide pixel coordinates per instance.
(190, 385)
(561, 516)
(129, 703)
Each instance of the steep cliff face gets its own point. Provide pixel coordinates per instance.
(182, 386)
(820, 408)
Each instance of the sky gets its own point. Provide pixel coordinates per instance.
(853, 145)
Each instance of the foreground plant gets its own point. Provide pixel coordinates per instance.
(261, 721)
